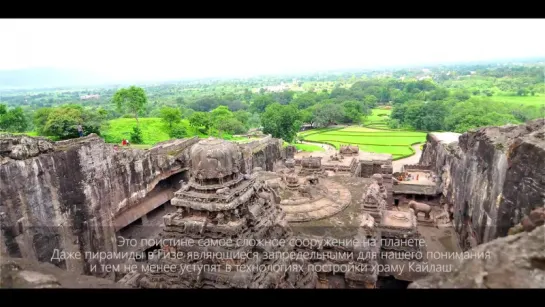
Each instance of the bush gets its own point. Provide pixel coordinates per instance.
(136, 135)
(393, 123)
(178, 132)
(232, 126)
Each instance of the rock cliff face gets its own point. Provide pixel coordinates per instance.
(262, 153)
(66, 197)
(516, 261)
(25, 273)
(493, 176)
(73, 195)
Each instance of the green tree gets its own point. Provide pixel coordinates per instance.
(307, 116)
(62, 122)
(474, 113)
(438, 94)
(132, 100)
(219, 116)
(254, 121)
(231, 126)
(305, 100)
(371, 101)
(247, 94)
(136, 135)
(178, 131)
(352, 111)
(13, 120)
(281, 121)
(327, 114)
(261, 102)
(200, 119)
(40, 119)
(393, 123)
(170, 116)
(243, 117)
(462, 94)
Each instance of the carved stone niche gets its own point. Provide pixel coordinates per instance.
(312, 179)
(290, 151)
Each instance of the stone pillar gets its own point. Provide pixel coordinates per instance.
(377, 167)
(145, 220)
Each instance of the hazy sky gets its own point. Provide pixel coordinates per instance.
(164, 48)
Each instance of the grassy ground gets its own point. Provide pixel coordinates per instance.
(153, 130)
(524, 100)
(375, 137)
(306, 147)
(377, 119)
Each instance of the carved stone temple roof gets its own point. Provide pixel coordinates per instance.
(214, 158)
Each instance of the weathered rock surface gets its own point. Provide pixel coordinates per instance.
(516, 261)
(67, 197)
(24, 273)
(493, 176)
(262, 153)
(20, 147)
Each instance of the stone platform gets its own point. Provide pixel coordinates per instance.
(337, 200)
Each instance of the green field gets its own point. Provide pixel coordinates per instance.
(394, 142)
(315, 131)
(153, 130)
(309, 147)
(520, 100)
(378, 119)
(306, 147)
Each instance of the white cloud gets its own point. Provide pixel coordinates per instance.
(153, 48)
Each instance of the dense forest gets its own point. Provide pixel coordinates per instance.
(443, 98)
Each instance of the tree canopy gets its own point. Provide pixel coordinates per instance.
(281, 121)
(132, 100)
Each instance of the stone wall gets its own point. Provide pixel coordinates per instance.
(492, 176)
(368, 167)
(416, 167)
(262, 153)
(66, 198)
(418, 189)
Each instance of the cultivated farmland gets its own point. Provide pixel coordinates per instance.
(395, 142)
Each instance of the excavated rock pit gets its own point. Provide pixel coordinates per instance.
(492, 176)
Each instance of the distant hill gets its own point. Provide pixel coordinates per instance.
(48, 77)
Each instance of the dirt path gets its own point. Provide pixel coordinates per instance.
(414, 159)
(327, 147)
